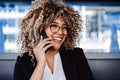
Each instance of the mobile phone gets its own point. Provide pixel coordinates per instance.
(44, 35)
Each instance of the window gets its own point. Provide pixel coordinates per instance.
(10, 17)
(101, 27)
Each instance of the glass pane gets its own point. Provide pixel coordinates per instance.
(101, 27)
(10, 17)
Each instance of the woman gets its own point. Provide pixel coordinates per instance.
(48, 35)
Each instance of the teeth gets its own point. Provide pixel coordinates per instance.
(57, 38)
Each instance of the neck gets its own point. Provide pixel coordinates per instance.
(50, 54)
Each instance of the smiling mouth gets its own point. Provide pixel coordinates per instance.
(57, 39)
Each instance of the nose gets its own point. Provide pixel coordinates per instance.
(60, 31)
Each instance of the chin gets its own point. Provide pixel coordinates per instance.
(56, 47)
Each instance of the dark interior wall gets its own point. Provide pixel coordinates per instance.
(6, 69)
(103, 69)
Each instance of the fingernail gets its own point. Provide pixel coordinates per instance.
(41, 37)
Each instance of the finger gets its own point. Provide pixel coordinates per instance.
(45, 44)
(44, 40)
(41, 37)
(42, 43)
(48, 46)
(47, 39)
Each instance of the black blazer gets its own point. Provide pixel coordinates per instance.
(74, 63)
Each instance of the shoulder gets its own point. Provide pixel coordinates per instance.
(78, 54)
(74, 51)
(77, 51)
(23, 58)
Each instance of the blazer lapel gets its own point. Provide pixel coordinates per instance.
(68, 67)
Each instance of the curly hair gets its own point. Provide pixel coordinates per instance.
(42, 13)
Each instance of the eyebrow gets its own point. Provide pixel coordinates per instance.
(57, 23)
(54, 22)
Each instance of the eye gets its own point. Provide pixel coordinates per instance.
(53, 25)
(65, 27)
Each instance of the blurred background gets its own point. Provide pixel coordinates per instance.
(101, 28)
(100, 37)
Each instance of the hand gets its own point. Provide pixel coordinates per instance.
(41, 47)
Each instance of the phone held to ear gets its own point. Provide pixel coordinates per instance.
(45, 36)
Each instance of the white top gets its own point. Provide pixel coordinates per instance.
(58, 73)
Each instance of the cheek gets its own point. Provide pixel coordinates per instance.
(65, 37)
(48, 32)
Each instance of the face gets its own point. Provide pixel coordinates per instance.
(57, 30)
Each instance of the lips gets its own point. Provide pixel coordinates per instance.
(58, 39)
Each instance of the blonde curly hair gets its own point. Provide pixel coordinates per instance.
(42, 13)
